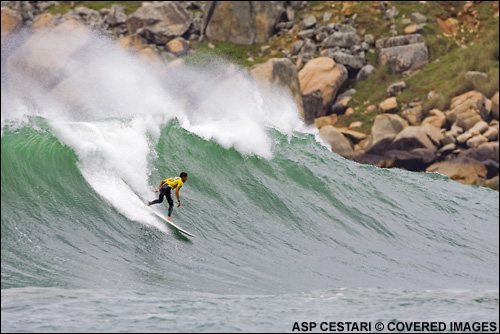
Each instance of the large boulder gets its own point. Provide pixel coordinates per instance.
(313, 106)
(477, 141)
(384, 130)
(467, 119)
(467, 110)
(281, 72)
(242, 22)
(403, 58)
(11, 22)
(343, 39)
(324, 75)
(494, 106)
(159, 23)
(398, 41)
(434, 134)
(414, 160)
(350, 61)
(336, 140)
(462, 169)
(116, 15)
(486, 151)
(410, 138)
(413, 115)
(354, 136)
(492, 183)
(325, 120)
(438, 119)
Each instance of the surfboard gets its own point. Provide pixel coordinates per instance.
(172, 224)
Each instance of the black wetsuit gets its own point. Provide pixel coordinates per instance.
(165, 191)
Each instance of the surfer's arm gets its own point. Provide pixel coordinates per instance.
(177, 195)
(159, 186)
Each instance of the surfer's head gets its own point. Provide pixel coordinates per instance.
(183, 176)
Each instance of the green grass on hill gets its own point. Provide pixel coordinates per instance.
(449, 62)
(66, 6)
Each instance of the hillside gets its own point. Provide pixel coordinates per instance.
(407, 84)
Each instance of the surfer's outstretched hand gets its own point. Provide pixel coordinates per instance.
(154, 190)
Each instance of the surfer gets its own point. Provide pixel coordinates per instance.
(165, 187)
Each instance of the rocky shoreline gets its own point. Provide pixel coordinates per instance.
(320, 58)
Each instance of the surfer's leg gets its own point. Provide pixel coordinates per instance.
(159, 200)
(170, 203)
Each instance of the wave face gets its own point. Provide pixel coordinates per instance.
(275, 213)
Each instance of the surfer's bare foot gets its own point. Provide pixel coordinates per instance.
(168, 218)
(148, 203)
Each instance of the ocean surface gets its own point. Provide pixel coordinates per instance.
(285, 230)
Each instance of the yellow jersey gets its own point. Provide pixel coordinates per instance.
(173, 182)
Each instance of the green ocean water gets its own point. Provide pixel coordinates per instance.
(286, 231)
(305, 235)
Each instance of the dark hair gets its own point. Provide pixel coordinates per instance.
(183, 174)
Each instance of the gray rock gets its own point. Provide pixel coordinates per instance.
(349, 92)
(396, 89)
(463, 138)
(296, 47)
(447, 149)
(365, 72)
(308, 22)
(491, 134)
(418, 18)
(369, 39)
(321, 36)
(411, 138)
(492, 167)
(336, 139)
(350, 61)
(479, 128)
(475, 75)
(365, 46)
(448, 139)
(486, 151)
(391, 13)
(384, 130)
(467, 119)
(415, 160)
(399, 41)
(284, 25)
(476, 141)
(434, 134)
(403, 58)
(342, 39)
(309, 47)
(313, 106)
(290, 13)
(116, 15)
(406, 21)
(159, 23)
(340, 105)
(305, 34)
(240, 22)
